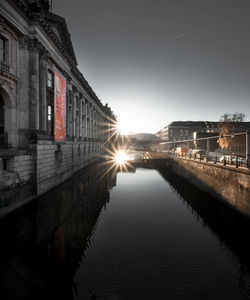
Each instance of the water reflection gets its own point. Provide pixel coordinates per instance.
(73, 244)
(44, 242)
(231, 228)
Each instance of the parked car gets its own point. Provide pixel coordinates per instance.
(232, 159)
(241, 160)
(227, 158)
(198, 153)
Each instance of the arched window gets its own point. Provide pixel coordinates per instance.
(1, 121)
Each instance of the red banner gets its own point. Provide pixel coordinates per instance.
(60, 107)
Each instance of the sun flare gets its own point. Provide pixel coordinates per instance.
(121, 157)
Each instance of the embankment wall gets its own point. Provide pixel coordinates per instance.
(227, 183)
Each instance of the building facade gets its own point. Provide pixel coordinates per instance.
(173, 134)
(51, 121)
(183, 130)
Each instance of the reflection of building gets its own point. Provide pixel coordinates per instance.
(51, 121)
(50, 236)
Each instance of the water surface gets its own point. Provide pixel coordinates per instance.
(148, 245)
(145, 234)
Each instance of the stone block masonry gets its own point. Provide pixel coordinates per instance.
(57, 162)
(228, 184)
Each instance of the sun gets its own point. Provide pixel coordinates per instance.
(121, 157)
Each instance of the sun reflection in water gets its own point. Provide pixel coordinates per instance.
(117, 159)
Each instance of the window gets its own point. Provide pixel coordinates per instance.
(77, 124)
(83, 126)
(77, 102)
(3, 44)
(83, 107)
(50, 79)
(50, 120)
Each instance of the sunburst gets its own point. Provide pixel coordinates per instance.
(117, 159)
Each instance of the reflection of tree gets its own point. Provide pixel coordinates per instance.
(229, 124)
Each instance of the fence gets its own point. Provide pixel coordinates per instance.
(236, 154)
(231, 160)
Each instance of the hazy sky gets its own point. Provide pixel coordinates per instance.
(156, 61)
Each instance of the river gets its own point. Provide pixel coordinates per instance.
(142, 234)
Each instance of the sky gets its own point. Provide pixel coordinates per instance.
(158, 61)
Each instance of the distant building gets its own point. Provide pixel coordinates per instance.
(178, 131)
(146, 136)
(206, 143)
(183, 130)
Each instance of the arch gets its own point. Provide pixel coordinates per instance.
(5, 96)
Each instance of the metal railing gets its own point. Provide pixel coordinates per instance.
(223, 160)
(4, 66)
(227, 157)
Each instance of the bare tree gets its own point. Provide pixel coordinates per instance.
(229, 124)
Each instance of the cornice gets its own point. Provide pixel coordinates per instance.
(39, 19)
(35, 45)
(8, 76)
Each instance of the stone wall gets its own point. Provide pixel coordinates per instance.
(56, 162)
(19, 170)
(229, 184)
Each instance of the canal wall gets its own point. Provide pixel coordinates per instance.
(46, 165)
(226, 183)
(57, 162)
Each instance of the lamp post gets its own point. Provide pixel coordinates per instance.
(248, 148)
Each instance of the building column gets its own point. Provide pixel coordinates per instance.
(34, 88)
(80, 120)
(86, 121)
(74, 115)
(91, 124)
(42, 92)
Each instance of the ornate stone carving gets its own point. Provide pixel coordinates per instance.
(6, 30)
(24, 42)
(44, 54)
(34, 45)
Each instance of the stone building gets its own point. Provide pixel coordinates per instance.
(183, 130)
(51, 121)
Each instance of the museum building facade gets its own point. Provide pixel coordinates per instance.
(52, 124)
